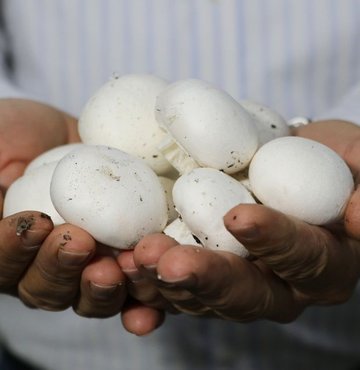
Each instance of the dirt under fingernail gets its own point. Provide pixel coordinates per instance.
(30, 228)
(24, 224)
(44, 215)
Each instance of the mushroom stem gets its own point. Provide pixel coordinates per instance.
(179, 231)
(176, 156)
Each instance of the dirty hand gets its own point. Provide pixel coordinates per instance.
(294, 264)
(46, 267)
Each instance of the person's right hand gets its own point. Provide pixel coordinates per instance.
(46, 267)
(294, 265)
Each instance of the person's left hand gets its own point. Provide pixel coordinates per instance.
(295, 264)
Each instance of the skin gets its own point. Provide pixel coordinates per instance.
(27, 129)
(56, 268)
(46, 267)
(293, 264)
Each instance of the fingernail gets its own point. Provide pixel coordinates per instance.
(149, 271)
(32, 229)
(187, 281)
(103, 292)
(24, 224)
(45, 216)
(133, 275)
(72, 258)
(244, 233)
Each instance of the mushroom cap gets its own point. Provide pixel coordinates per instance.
(121, 115)
(202, 197)
(269, 123)
(302, 178)
(208, 124)
(32, 192)
(52, 155)
(111, 194)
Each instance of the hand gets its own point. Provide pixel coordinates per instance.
(27, 129)
(295, 264)
(46, 267)
(344, 138)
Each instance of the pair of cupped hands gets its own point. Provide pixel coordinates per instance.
(293, 264)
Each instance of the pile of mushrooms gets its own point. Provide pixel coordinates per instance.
(174, 158)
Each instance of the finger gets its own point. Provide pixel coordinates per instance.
(322, 266)
(141, 320)
(150, 248)
(20, 237)
(352, 215)
(146, 256)
(139, 286)
(225, 284)
(153, 292)
(103, 289)
(10, 173)
(52, 281)
(1, 202)
(126, 262)
(199, 281)
(341, 136)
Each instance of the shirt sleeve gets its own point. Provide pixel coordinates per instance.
(347, 109)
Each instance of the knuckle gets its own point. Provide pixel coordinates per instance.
(6, 284)
(55, 277)
(177, 295)
(145, 293)
(306, 266)
(96, 311)
(90, 306)
(198, 310)
(11, 273)
(339, 296)
(40, 300)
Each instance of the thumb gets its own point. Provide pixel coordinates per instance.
(1, 204)
(10, 173)
(284, 244)
(310, 258)
(352, 215)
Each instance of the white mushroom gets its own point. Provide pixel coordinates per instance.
(121, 114)
(206, 127)
(179, 231)
(176, 155)
(35, 184)
(52, 155)
(269, 123)
(168, 185)
(111, 194)
(32, 192)
(301, 178)
(202, 197)
(243, 178)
